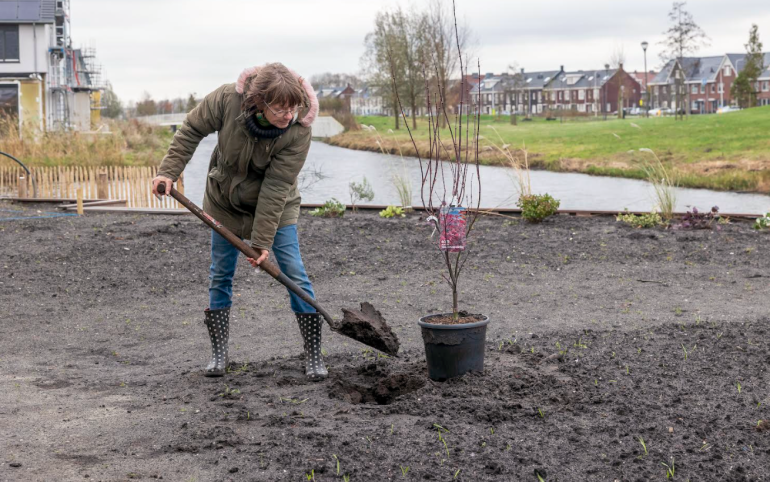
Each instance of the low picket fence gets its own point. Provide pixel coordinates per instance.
(133, 184)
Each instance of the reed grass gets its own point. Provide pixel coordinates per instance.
(663, 181)
(128, 143)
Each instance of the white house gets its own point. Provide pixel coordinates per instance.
(44, 82)
(365, 102)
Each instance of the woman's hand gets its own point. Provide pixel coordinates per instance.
(263, 254)
(162, 179)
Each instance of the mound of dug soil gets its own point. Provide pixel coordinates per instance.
(375, 384)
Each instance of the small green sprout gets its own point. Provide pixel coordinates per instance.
(579, 344)
(644, 445)
(457, 473)
(338, 463)
(669, 469)
(738, 384)
(404, 470)
(311, 475)
(541, 412)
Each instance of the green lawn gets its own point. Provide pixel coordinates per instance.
(727, 151)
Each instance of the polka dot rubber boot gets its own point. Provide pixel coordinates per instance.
(218, 324)
(310, 325)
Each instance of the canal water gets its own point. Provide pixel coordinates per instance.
(338, 167)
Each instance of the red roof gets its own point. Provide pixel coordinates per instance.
(639, 76)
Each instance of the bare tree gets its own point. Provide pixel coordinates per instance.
(445, 193)
(744, 89)
(514, 88)
(683, 37)
(410, 47)
(380, 65)
(617, 59)
(446, 42)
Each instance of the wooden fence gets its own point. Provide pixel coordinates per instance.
(134, 184)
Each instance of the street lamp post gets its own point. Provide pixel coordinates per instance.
(646, 91)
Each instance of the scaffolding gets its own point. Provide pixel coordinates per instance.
(70, 71)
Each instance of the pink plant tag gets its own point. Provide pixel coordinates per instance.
(452, 226)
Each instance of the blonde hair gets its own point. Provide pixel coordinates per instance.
(272, 84)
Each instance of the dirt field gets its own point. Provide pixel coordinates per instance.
(600, 336)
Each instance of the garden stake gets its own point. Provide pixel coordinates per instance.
(369, 329)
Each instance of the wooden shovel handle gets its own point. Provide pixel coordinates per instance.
(244, 248)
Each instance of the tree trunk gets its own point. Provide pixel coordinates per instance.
(396, 115)
(455, 307)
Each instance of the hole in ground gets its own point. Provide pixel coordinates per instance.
(376, 385)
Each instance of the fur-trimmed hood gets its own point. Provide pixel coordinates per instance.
(312, 111)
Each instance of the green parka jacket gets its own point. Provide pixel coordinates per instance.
(252, 183)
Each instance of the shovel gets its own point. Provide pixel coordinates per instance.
(366, 326)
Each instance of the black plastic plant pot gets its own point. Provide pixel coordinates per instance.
(453, 350)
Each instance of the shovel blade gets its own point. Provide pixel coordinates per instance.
(367, 326)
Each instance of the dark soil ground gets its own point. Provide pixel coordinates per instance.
(601, 336)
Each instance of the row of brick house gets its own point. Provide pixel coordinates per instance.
(705, 87)
(589, 92)
(705, 83)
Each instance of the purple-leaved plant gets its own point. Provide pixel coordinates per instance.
(697, 220)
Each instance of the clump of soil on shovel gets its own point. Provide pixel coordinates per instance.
(369, 327)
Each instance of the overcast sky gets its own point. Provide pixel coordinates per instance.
(171, 48)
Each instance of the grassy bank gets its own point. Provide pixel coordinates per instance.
(724, 152)
(129, 143)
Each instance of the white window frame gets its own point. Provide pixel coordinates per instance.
(727, 71)
(581, 94)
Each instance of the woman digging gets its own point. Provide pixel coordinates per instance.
(263, 121)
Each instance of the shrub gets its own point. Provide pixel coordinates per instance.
(698, 220)
(643, 221)
(536, 207)
(763, 222)
(392, 211)
(330, 209)
(360, 192)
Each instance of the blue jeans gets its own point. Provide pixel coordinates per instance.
(286, 251)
